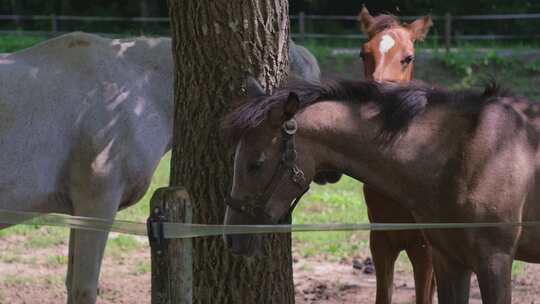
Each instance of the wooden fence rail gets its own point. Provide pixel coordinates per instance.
(302, 34)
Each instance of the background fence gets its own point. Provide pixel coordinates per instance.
(304, 27)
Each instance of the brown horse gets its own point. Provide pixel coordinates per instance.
(463, 156)
(388, 55)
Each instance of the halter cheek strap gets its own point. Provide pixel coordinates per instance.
(256, 207)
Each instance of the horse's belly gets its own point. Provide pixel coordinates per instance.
(528, 249)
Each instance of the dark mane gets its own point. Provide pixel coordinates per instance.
(399, 104)
(381, 23)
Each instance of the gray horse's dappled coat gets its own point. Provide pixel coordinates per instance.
(303, 64)
(84, 121)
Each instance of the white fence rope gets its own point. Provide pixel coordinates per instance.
(184, 231)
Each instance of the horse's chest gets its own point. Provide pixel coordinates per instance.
(135, 190)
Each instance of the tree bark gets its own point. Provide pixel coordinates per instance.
(216, 43)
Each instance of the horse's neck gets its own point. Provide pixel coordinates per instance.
(344, 133)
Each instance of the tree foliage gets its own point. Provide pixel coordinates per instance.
(330, 7)
(415, 7)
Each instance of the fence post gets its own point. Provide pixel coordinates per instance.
(172, 266)
(54, 24)
(447, 31)
(302, 27)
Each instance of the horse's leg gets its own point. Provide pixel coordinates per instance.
(384, 258)
(494, 273)
(88, 247)
(424, 280)
(453, 280)
(69, 276)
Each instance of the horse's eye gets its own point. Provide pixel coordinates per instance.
(407, 60)
(362, 55)
(255, 166)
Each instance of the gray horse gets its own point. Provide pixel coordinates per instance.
(303, 64)
(84, 121)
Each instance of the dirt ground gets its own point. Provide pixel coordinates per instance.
(323, 282)
(36, 277)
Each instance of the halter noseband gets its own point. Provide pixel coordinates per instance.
(257, 206)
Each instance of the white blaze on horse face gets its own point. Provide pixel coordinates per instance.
(386, 44)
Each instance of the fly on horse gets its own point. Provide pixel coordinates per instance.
(464, 156)
(388, 55)
(84, 123)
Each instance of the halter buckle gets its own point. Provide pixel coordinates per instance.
(290, 127)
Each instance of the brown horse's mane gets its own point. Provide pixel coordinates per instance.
(399, 104)
(381, 23)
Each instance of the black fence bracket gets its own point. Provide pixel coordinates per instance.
(154, 225)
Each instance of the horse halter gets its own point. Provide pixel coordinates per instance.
(255, 206)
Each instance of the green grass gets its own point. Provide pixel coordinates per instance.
(14, 280)
(342, 202)
(57, 260)
(47, 236)
(12, 43)
(517, 268)
(142, 267)
(9, 257)
(121, 244)
(38, 237)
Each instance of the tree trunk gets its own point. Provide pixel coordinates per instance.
(216, 43)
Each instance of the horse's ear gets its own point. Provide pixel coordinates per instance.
(365, 19)
(253, 88)
(420, 27)
(278, 114)
(292, 105)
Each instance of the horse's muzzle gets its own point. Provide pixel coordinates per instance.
(241, 244)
